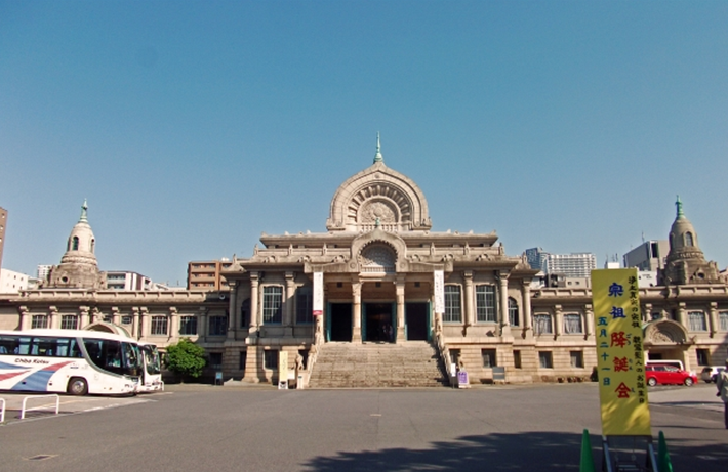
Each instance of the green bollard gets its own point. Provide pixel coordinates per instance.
(663, 456)
(586, 464)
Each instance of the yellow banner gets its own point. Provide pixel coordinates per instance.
(621, 358)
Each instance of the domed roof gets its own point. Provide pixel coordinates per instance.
(81, 242)
(380, 196)
(682, 233)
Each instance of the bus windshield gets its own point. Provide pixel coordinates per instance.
(151, 359)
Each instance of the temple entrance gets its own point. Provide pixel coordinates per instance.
(339, 322)
(379, 323)
(416, 320)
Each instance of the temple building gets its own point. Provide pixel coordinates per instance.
(380, 299)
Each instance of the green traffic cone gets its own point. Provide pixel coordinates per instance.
(663, 456)
(586, 464)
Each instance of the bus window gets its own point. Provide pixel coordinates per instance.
(8, 345)
(23, 346)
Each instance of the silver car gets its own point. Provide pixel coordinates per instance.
(710, 374)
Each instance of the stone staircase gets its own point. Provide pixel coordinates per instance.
(378, 365)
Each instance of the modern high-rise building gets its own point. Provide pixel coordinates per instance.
(571, 265)
(649, 255)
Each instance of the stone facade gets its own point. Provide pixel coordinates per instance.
(379, 257)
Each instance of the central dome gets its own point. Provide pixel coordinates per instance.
(380, 196)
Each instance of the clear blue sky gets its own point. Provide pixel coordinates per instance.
(191, 127)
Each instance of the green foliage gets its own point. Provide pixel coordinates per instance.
(185, 358)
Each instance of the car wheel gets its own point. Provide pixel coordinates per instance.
(651, 382)
(688, 382)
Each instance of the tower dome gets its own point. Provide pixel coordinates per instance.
(686, 264)
(78, 268)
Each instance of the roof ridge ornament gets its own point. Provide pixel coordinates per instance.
(378, 155)
(84, 209)
(678, 204)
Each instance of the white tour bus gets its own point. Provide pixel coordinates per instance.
(151, 378)
(62, 360)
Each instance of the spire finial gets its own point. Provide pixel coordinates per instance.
(378, 156)
(678, 204)
(84, 209)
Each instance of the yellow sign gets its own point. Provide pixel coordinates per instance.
(621, 358)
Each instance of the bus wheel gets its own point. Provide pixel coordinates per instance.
(77, 386)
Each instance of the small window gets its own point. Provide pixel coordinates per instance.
(517, 359)
(188, 325)
(577, 359)
(216, 360)
(542, 324)
(452, 304)
(159, 325)
(69, 322)
(271, 360)
(572, 323)
(723, 318)
(126, 319)
(513, 311)
(696, 321)
(703, 356)
(488, 358)
(39, 322)
(218, 325)
(545, 360)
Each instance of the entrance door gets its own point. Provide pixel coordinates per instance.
(416, 320)
(340, 322)
(378, 322)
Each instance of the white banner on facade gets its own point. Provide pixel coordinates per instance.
(439, 291)
(318, 293)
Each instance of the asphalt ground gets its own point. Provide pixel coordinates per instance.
(490, 428)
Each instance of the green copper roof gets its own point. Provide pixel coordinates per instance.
(84, 208)
(378, 156)
(678, 204)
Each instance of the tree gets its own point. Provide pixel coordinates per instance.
(185, 358)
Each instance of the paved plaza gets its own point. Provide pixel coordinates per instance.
(196, 427)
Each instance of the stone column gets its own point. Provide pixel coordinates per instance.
(135, 322)
(82, 316)
(173, 328)
(202, 324)
(588, 320)
(356, 292)
(254, 323)
(527, 321)
(400, 284)
(558, 321)
(469, 312)
(233, 309)
(714, 322)
(52, 317)
(288, 304)
(115, 316)
(24, 318)
(505, 321)
(682, 316)
(144, 322)
(93, 316)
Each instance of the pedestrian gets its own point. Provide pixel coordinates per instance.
(722, 382)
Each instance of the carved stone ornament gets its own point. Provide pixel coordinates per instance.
(377, 209)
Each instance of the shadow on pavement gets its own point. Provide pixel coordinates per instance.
(536, 451)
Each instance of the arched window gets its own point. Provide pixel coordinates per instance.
(688, 239)
(93, 242)
(75, 244)
(513, 311)
(378, 259)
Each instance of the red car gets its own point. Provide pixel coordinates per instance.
(668, 375)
